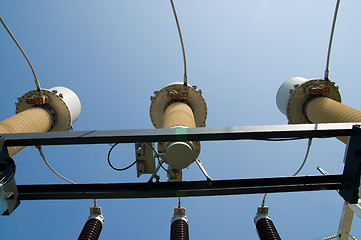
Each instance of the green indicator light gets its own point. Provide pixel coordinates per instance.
(181, 134)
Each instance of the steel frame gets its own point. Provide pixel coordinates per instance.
(192, 188)
(179, 189)
(269, 132)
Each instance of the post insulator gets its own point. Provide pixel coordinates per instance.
(179, 230)
(179, 227)
(94, 225)
(266, 230)
(178, 106)
(314, 101)
(56, 110)
(264, 225)
(91, 230)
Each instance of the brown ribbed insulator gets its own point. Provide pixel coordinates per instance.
(91, 230)
(266, 230)
(179, 230)
(326, 110)
(32, 120)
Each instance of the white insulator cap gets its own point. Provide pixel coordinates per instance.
(62, 104)
(294, 95)
(285, 91)
(70, 99)
(179, 213)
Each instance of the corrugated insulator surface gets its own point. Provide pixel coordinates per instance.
(32, 120)
(91, 230)
(266, 230)
(179, 230)
(326, 110)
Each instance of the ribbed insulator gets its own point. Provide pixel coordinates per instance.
(179, 230)
(178, 114)
(326, 110)
(91, 230)
(266, 230)
(32, 120)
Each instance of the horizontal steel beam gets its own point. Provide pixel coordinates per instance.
(271, 132)
(176, 189)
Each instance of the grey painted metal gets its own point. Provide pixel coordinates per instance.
(270, 132)
(179, 189)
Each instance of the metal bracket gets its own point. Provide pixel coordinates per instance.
(8, 189)
(350, 184)
(144, 153)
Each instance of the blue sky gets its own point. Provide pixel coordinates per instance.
(114, 54)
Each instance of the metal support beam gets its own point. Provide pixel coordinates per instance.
(179, 189)
(356, 208)
(270, 132)
(345, 223)
(350, 187)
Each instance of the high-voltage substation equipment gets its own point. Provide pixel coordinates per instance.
(176, 106)
(46, 110)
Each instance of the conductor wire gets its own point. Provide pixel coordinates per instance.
(52, 169)
(299, 169)
(111, 165)
(159, 162)
(181, 40)
(37, 84)
(330, 42)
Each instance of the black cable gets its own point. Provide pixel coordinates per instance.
(281, 139)
(110, 164)
(159, 159)
(299, 169)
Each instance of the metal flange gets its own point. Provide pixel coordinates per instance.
(62, 104)
(294, 95)
(177, 92)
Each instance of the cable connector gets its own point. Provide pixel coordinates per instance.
(96, 212)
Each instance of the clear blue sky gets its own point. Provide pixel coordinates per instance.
(114, 54)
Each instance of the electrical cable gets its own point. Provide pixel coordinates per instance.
(181, 40)
(299, 169)
(159, 162)
(279, 139)
(331, 38)
(37, 84)
(110, 164)
(52, 169)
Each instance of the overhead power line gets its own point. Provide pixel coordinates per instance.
(331, 38)
(181, 40)
(37, 84)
